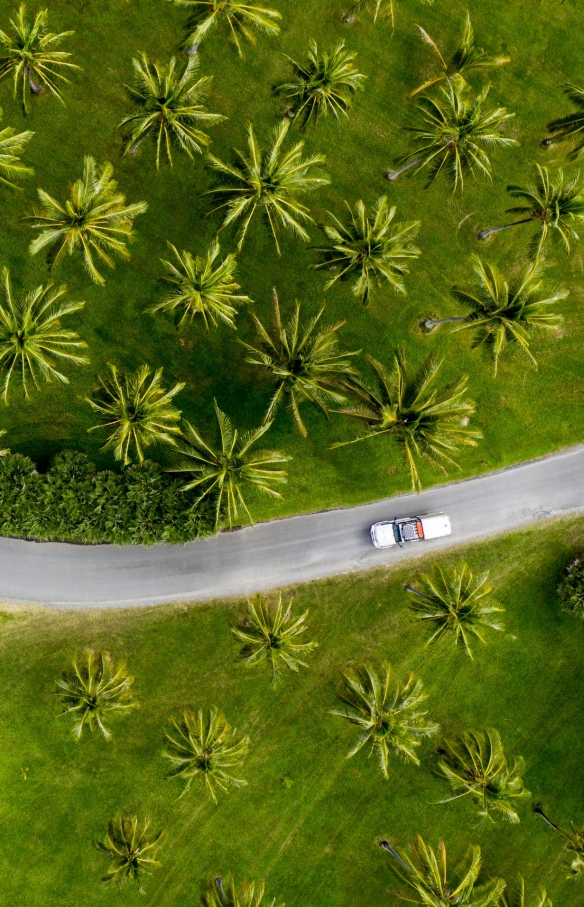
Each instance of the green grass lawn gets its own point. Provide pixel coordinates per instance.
(523, 413)
(314, 841)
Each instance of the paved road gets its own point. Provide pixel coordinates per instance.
(285, 551)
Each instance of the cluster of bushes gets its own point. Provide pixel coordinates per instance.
(571, 588)
(73, 502)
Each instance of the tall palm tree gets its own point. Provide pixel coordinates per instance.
(324, 86)
(516, 897)
(475, 765)
(168, 108)
(96, 689)
(426, 874)
(369, 247)
(242, 20)
(137, 410)
(269, 180)
(455, 136)
(32, 339)
(201, 286)
(132, 849)
(12, 147)
(466, 58)
(574, 844)
(271, 634)
(556, 205)
(454, 603)
(227, 895)
(386, 713)
(506, 312)
(426, 422)
(305, 363)
(206, 750)
(31, 57)
(570, 126)
(95, 220)
(380, 9)
(226, 471)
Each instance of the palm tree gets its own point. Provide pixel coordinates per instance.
(32, 339)
(386, 713)
(305, 363)
(571, 126)
(95, 219)
(30, 55)
(574, 844)
(269, 181)
(224, 472)
(369, 247)
(206, 749)
(137, 410)
(381, 9)
(455, 603)
(325, 85)
(249, 895)
(201, 286)
(426, 422)
(476, 766)
(516, 897)
(425, 872)
(555, 205)
(11, 149)
(241, 18)
(506, 312)
(454, 136)
(131, 848)
(465, 58)
(95, 689)
(168, 108)
(271, 634)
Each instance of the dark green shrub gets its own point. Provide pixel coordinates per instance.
(571, 588)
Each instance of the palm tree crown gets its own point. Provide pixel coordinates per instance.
(386, 713)
(32, 339)
(271, 634)
(95, 219)
(516, 897)
(453, 602)
(556, 205)
(426, 422)
(305, 363)
(137, 410)
(132, 850)
(201, 286)
(94, 690)
(325, 85)
(503, 312)
(30, 55)
(269, 181)
(11, 149)
(168, 108)
(476, 766)
(242, 20)
(249, 895)
(571, 126)
(224, 472)
(380, 9)
(574, 839)
(206, 750)
(369, 247)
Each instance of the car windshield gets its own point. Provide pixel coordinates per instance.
(396, 533)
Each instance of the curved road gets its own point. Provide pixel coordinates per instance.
(285, 551)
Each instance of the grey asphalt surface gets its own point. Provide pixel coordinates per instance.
(286, 551)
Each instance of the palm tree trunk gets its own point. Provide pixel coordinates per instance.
(432, 323)
(422, 595)
(134, 149)
(546, 143)
(387, 846)
(193, 50)
(539, 811)
(484, 234)
(220, 889)
(392, 175)
(36, 89)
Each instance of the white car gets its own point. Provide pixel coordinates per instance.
(410, 529)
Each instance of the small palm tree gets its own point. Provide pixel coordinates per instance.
(242, 20)
(269, 181)
(137, 409)
(224, 472)
(380, 9)
(201, 286)
(95, 220)
(324, 86)
(555, 205)
(574, 844)
(249, 895)
(466, 57)
(271, 635)
(476, 766)
(516, 897)
(206, 750)
(11, 149)
(454, 136)
(32, 339)
(571, 126)
(305, 363)
(132, 850)
(425, 873)
(95, 689)
(369, 247)
(386, 713)
(426, 422)
(168, 108)
(456, 604)
(30, 55)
